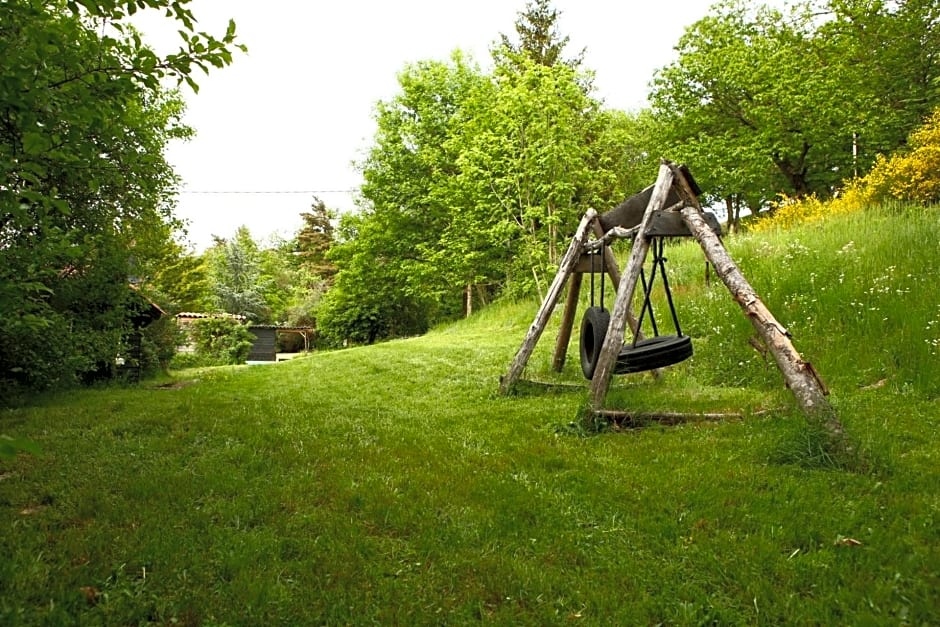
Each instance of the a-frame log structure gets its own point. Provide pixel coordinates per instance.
(668, 208)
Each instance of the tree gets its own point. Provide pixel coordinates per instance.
(524, 170)
(625, 152)
(370, 298)
(888, 52)
(84, 119)
(761, 101)
(539, 38)
(315, 239)
(475, 182)
(180, 281)
(388, 282)
(236, 276)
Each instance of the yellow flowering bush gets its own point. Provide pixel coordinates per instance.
(788, 211)
(914, 174)
(911, 175)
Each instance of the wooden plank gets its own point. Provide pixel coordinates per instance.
(589, 263)
(631, 275)
(630, 212)
(565, 269)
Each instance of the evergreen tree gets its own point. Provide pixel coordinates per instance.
(238, 281)
(315, 239)
(539, 38)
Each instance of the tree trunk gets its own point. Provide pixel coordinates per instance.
(799, 375)
(729, 208)
(794, 172)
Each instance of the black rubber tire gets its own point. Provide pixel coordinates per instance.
(593, 331)
(654, 352)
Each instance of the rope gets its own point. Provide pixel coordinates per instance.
(659, 261)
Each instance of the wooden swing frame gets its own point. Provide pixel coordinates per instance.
(669, 208)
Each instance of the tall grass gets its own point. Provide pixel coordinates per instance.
(391, 485)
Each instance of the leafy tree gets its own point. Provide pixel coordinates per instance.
(386, 252)
(237, 280)
(304, 296)
(364, 303)
(762, 101)
(291, 291)
(624, 156)
(474, 184)
(887, 54)
(83, 182)
(525, 165)
(180, 281)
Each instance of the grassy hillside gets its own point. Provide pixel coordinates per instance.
(391, 485)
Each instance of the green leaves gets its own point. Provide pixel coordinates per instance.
(85, 192)
(763, 101)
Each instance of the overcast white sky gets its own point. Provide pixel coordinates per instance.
(295, 112)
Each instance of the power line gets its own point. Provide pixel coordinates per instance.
(279, 191)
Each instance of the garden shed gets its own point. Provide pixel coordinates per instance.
(141, 311)
(264, 347)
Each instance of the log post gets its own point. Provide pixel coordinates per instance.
(799, 375)
(565, 269)
(631, 275)
(567, 322)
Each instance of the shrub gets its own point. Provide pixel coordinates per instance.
(158, 344)
(913, 174)
(910, 175)
(222, 340)
(788, 212)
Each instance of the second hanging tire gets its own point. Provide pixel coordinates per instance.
(593, 331)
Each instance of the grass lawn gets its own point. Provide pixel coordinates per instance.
(390, 484)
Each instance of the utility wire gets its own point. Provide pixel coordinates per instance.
(299, 191)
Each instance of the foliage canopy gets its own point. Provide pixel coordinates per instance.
(85, 192)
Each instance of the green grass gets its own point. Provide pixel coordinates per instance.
(391, 484)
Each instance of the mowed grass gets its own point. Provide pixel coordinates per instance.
(390, 484)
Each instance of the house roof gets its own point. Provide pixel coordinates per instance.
(195, 314)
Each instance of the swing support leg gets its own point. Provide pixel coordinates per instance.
(800, 376)
(568, 263)
(607, 359)
(567, 323)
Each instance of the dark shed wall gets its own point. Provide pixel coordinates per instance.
(264, 347)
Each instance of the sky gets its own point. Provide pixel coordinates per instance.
(290, 119)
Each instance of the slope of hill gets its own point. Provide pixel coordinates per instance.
(390, 484)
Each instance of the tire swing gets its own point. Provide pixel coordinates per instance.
(594, 325)
(650, 353)
(660, 350)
